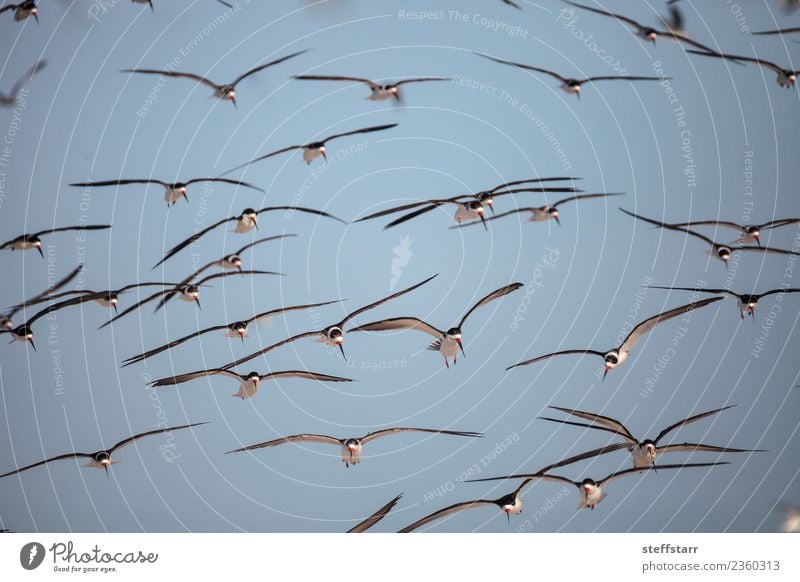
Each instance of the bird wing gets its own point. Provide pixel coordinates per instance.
(48, 293)
(262, 351)
(375, 517)
(689, 420)
(26, 77)
(130, 439)
(583, 456)
(496, 294)
(606, 421)
(648, 324)
(776, 291)
(306, 438)
(66, 228)
(262, 67)
(420, 80)
(357, 131)
(455, 508)
(495, 217)
(764, 250)
(263, 240)
(170, 345)
(175, 74)
(302, 209)
(523, 66)
(137, 305)
(400, 323)
(693, 447)
(403, 207)
(756, 60)
(384, 300)
(631, 471)
(181, 378)
(304, 374)
(778, 222)
(411, 215)
(388, 431)
(561, 353)
(57, 458)
(372, 84)
(625, 19)
(272, 312)
(104, 183)
(264, 157)
(622, 78)
(670, 226)
(779, 31)
(725, 223)
(585, 197)
(195, 237)
(226, 181)
(235, 274)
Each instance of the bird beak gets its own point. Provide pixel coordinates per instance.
(151, 6)
(758, 239)
(116, 311)
(30, 339)
(106, 468)
(233, 100)
(490, 204)
(39, 248)
(460, 345)
(197, 300)
(605, 372)
(36, 17)
(557, 219)
(186, 197)
(483, 220)
(508, 517)
(255, 221)
(239, 268)
(324, 155)
(341, 349)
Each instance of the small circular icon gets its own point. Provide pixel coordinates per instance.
(31, 555)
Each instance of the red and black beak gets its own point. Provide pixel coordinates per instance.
(605, 372)
(341, 349)
(33, 345)
(483, 219)
(116, 311)
(197, 300)
(39, 248)
(557, 219)
(461, 346)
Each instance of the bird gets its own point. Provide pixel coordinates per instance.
(229, 262)
(189, 293)
(249, 383)
(173, 191)
(379, 92)
(748, 233)
(227, 91)
(778, 31)
(786, 78)
(245, 222)
(6, 318)
(591, 491)
(469, 207)
(720, 251)
(747, 301)
(647, 33)
(26, 242)
(10, 99)
(108, 298)
(102, 459)
(313, 150)
(375, 517)
(645, 452)
(352, 447)
(616, 356)
(23, 10)
(448, 343)
(543, 213)
(332, 335)
(510, 3)
(675, 22)
(235, 329)
(571, 85)
(149, 2)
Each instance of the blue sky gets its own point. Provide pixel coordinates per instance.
(712, 142)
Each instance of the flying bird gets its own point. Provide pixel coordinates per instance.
(315, 149)
(249, 383)
(352, 447)
(379, 92)
(591, 491)
(189, 293)
(675, 22)
(23, 10)
(245, 222)
(226, 92)
(748, 233)
(570, 85)
(6, 318)
(332, 335)
(375, 517)
(616, 356)
(447, 343)
(543, 213)
(235, 329)
(26, 242)
(645, 452)
(102, 459)
(10, 99)
(786, 77)
(173, 191)
(778, 31)
(720, 251)
(747, 301)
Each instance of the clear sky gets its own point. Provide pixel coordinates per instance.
(715, 141)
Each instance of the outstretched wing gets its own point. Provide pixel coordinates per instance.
(561, 353)
(129, 440)
(689, 420)
(375, 517)
(255, 70)
(305, 438)
(400, 323)
(648, 324)
(496, 294)
(388, 431)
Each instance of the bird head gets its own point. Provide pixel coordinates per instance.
(454, 334)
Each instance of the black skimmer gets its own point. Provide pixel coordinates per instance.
(543, 213)
(786, 77)
(229, 262)
(379, 92)
(748, 233)
(189, 293)
(352, 447)
(25, 242)
(448, 343)
(644, 453)
(647, 33)
(571, 85)
(747, 301)
(248, 383)
(675, 22)
(720, 251)
(10, 99)
(591, 491)
(315, 149)
(469, 207)
(23, 10)
(616, 356)
(332, 335)
(224, 91)
(375, 517)
(6, 318)
(173, 191)
(245, 222)
(102, 459)
(235, 329)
